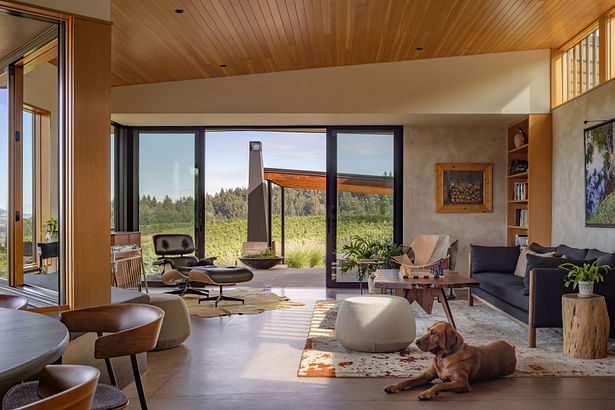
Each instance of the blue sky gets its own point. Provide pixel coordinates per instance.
(166, 160)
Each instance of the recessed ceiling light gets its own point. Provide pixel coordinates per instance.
(223, 65)
(179, 11)
(419, 48)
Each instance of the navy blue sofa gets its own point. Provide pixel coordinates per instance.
(536, 299)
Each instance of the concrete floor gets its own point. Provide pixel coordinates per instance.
(251, 362)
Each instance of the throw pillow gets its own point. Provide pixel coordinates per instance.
(542, 249)
(522, 262)
(595, 254)
(536, 262)
(494, 258)
(572, 253)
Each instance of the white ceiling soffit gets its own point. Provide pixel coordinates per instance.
(301, 119)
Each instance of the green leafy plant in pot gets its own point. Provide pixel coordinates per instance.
(49, 230)
(360, 250)
(584, 276)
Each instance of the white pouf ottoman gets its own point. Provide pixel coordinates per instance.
(375, 323)
(176, 323)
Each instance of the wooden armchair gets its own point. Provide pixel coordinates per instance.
(59, 387)
(13, 302)
(432, 250)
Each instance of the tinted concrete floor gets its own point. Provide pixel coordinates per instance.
(251, 362)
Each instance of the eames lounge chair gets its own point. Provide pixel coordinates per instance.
(59, 387)
(175, 262)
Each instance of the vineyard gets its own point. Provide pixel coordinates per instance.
(224, 238)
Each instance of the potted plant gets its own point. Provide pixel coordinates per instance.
(584, 276)
(365, 255)
(49, 230)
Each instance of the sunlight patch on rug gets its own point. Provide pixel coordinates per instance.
(324, 356)
(256, 301)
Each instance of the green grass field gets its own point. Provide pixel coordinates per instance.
(303, 234)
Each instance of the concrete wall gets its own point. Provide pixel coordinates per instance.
(569, 169)
(504, 83)
(423, 148)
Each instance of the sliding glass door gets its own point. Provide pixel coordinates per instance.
(4, 174)
(363, 192)
(167, 181)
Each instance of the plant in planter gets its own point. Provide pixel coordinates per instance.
(584, 276)
(265, 259)
(360, 251)
(49, 230)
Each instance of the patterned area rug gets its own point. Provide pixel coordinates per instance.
(324, 356)
(256, 301)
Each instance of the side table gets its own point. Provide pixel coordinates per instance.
(585, 322)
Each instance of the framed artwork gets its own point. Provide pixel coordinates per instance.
(464, 187)
(600, 175)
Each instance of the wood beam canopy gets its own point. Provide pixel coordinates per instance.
(314, 180)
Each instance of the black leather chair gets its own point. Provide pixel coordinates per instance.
(175, 262)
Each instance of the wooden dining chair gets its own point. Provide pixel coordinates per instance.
(131, 329)
(13, 302)
(59, 387)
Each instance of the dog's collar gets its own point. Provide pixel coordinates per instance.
(440, 358)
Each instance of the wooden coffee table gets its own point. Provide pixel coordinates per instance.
(423, 291)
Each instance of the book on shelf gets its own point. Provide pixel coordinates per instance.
(520, 192)
(521, 217)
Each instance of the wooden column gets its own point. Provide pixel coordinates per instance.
(87, 171)
(586, 325)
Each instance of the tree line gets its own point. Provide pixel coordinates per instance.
(232, 203)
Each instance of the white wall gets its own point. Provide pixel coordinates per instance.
(100, 9)
(504, 83)
(426, 146)
(569, 169)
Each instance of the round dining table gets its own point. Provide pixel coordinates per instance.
(28, 342)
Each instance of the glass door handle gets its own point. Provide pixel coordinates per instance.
(17, 216)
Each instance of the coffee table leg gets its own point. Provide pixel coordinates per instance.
(446, 308)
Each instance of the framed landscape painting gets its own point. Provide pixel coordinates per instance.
(600, 175)
(463, 187)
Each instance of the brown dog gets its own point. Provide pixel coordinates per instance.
(456, 363)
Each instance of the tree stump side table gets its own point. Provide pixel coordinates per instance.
(585, 322)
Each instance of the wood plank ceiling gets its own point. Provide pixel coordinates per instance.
(215, 38)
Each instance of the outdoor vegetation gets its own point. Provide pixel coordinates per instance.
(226, 223)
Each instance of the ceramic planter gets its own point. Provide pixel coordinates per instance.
(586, 289)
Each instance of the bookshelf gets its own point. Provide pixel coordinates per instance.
(529, 193)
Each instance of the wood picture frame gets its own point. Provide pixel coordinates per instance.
(464, 187)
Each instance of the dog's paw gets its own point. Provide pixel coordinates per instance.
(391, 388)
(426, 395)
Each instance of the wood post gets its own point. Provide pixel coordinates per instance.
(586, 325)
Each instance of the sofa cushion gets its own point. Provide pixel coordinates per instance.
(542, 249)
(506, 287)
(595, 254)
(493, 258)
(522, 262)
(535, 262)
(571, 253)
(607, 259)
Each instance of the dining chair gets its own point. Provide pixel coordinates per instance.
(59, 387)
(130, 329)
(13, 302)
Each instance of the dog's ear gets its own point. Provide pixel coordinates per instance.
(452, 339)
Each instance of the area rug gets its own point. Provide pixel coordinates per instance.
(324, 356)
(256, 301)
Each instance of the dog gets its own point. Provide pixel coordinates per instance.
(456, 363)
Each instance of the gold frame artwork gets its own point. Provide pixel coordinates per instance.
(486, 204)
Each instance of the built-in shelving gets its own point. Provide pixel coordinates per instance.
(536, 201)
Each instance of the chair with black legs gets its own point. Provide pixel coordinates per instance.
(175, 262)
(60, 387)
(132, 328)
(13, 302)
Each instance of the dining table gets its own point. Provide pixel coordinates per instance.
(28, 342)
